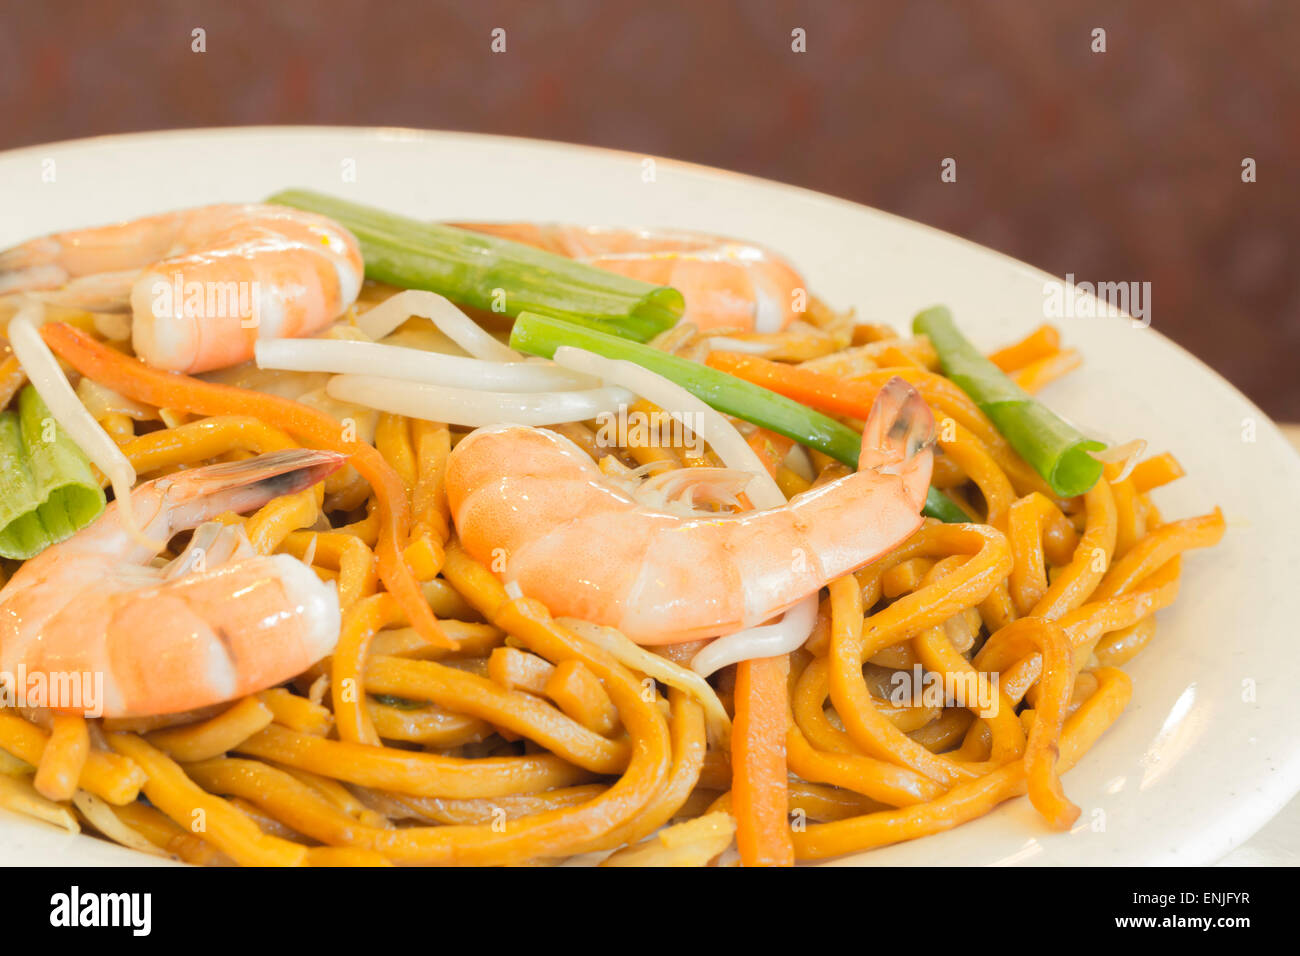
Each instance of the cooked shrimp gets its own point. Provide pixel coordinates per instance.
(216, 623)
(202, 285)
(727, 284)
(534, 507)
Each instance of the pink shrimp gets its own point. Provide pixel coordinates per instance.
(217, 623)
(535, 508)
(727, 284)
(202, 285)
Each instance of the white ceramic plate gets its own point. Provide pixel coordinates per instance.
(1207, 750)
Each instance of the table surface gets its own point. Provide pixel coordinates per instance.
(1278, 844)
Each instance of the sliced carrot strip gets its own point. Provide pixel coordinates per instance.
(827, 393)
(760, 783)
(1038, 344)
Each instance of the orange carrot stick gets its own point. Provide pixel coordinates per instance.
(1038, 344)
(759, 785)
(136, 380)
(827, 393)
(759, 788)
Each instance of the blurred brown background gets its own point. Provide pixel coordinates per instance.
(1116, 166)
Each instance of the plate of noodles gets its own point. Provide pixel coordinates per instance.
(392, 497)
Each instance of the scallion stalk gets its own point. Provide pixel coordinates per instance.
(1053, 447)
(47, 490)
(495, 274)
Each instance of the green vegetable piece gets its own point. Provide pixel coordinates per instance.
(1052, 446)
(47, 489)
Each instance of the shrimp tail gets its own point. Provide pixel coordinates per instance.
(243, 486)
(29, 267)
(898, 433)
(108, 292)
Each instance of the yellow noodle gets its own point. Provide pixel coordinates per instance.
(64, 758)
(216, 736)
